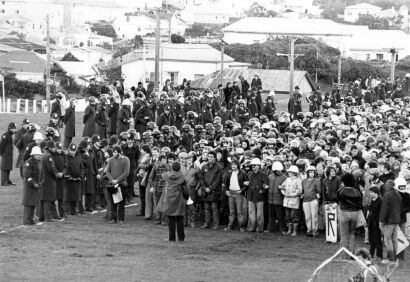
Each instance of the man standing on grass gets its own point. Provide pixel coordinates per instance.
(6, 153)
(69, 122)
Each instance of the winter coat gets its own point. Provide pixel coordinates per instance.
(124, 115)
(59, 161)
(6, 151)
(405, 206)
(292, 191)
(69, 122)
(73, 175)
(391, 207)
(112, 115)
(165, 119)
(48, 177)
(374, 213)
(142, 117)
(329, 189)
(173, 197)
(102, 121)
(211, 177)
(310, 189)
(21, 146)
(256, 189)
(90, 127)
(31, 177)
(275, 196)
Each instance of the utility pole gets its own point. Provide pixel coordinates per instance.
(157, 46)
(48, 78)
(393, 63)
(291, 57)
(317, 60)
(222, 61)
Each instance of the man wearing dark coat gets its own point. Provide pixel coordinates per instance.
(6, 154)
(73, 174)
(48, 182)
(165, 118)
(69, 123)
(124, 117)
(112, 115)
(102, 121)
(31, 180)
(56, 108)
(90, 127)
(142, 117)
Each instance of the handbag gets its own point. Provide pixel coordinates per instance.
(361, 221)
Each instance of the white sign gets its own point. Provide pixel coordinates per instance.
(331, 222)
(402, 242)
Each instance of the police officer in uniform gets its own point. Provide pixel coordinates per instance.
(31, 180)
(6, 154)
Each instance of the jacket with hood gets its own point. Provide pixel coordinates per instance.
(173, 195)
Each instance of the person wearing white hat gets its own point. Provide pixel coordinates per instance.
(257, 188)
(275, 197)
(291, 188)
(401, 187)
(311, 194)
(31, 179)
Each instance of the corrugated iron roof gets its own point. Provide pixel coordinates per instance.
(22, 61)
(287, 26)
(277, 80)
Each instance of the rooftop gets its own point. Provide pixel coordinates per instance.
(287, 26)
(363, 6)
(380, 40)
(22, 61)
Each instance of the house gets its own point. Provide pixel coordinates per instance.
(92, 55)
(23, 44)
(25, 65)
(130, 25)
(257, 30)
(353, 12)
(82, 72)
(277, 80)
(74, 36)
(177, 61)
(376, 44)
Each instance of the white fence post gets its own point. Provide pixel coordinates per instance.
(34, 106)
(26, 106)
(44, 106)
(8, 105)
(18, 106)
(1, 106)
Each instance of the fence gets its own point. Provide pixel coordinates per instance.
(16, 106)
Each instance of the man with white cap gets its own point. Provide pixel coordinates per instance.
(257, 188)
(37, 140)
(31, 179)
(401, 187)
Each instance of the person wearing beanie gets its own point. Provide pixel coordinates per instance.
(350, 202)
(6, 154)
(175, 195)
(389, 218)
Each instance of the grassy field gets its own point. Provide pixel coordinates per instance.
(84, 248)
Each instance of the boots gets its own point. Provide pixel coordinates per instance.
(289, 229)
(295, 228)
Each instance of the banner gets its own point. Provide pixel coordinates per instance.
(331, 222)
(402, 242)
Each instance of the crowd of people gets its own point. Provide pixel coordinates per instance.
(226, 157)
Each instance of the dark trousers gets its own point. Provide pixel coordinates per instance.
(89, 201)
(67, 141)
(375, 240)
(176, 222)
(80, 206)
(142, 199)
(130, 188)
(276, 212)
(109, 203)
(45, 211)
(5, 176)
(118, 209)
(70, 207)
(28, 217)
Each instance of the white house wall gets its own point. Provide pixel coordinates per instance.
(134, 72)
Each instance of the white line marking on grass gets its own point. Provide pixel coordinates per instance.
(41, 223)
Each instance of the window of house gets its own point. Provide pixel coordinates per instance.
(198, 76)
(173, 76)
(379, 57)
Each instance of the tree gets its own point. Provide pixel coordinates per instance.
(177, 39)
(69, 58)
(257, 10)
(104, 28)
(374, 22)
(330, 13)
